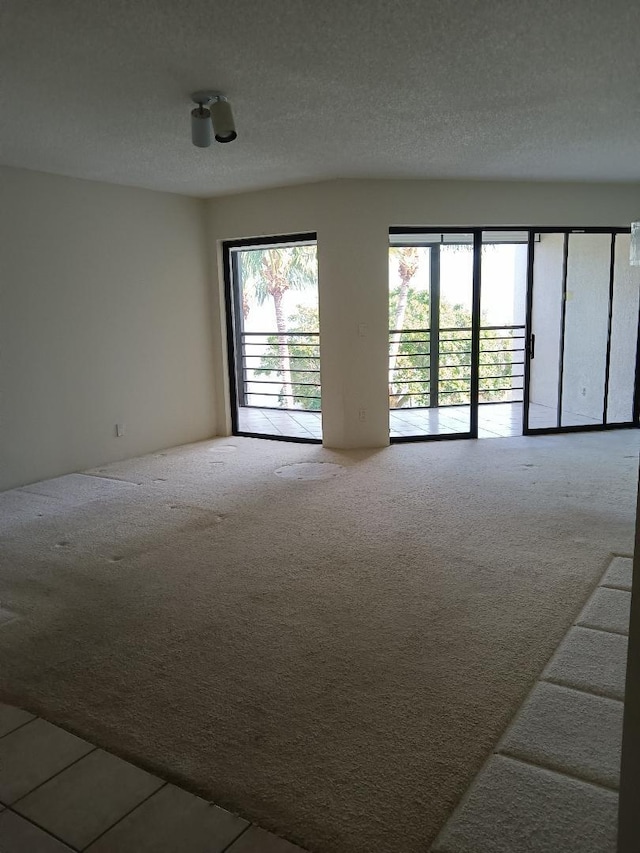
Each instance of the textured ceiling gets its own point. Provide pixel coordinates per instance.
(531, 89)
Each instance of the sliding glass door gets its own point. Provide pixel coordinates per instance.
(274, 337)
(583, 334)
(457, 320)
(433, 335)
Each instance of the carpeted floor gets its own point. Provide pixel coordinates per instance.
(331, 658)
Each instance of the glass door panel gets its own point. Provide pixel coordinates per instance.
(455, 334)
(274, 352)
(586, 324)
(624, 326)
(502, 332)
(546, 331)
(430, 335)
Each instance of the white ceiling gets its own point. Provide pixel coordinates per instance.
(532, 89)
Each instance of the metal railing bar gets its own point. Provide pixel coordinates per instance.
(278, 382)
(454, 329)
(281, 334)
(268, 394)
(421, 369)
(297, 371)
(249, 355)
(275, 344)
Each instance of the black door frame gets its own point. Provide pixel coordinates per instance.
(233, 316)
(234, 323)
(530, 343)
(476, 233)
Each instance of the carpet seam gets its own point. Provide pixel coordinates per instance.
(111, 479)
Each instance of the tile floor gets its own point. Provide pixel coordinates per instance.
(552, 782)
(496, 420)
(59, 793)
(292, 424)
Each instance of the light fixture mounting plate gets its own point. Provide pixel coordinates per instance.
(206, 97)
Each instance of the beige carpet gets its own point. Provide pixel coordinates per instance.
(333, 659)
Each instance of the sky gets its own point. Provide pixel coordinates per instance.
(501, 266)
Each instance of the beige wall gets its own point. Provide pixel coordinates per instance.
(352, 220)
(107, 302)
(104, 319)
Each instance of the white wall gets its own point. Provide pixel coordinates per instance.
(104, 318)
(352, 220)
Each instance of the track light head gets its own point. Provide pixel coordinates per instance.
(224, 126)
(213, 109)
(201, 127)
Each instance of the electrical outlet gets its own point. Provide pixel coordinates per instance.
(119, 430)
(362, 414)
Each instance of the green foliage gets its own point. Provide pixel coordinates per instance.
(304, 353)
(274, 271)
(410, 382)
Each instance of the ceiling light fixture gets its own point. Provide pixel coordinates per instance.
(212, 109)
(634, 252)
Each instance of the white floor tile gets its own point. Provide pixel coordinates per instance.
(19, 836)
(32, 754)
(85, 800)
(570, 731)
(594, 661)
(514, 807)
(608, 610)
(11, 718)
(256, 840)
(619, 573)
(172, 821)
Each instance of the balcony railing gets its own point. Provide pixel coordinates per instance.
(424, 376)
(279, 371)
(283, 371)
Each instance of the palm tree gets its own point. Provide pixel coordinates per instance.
(271, 273)
(408, 259)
